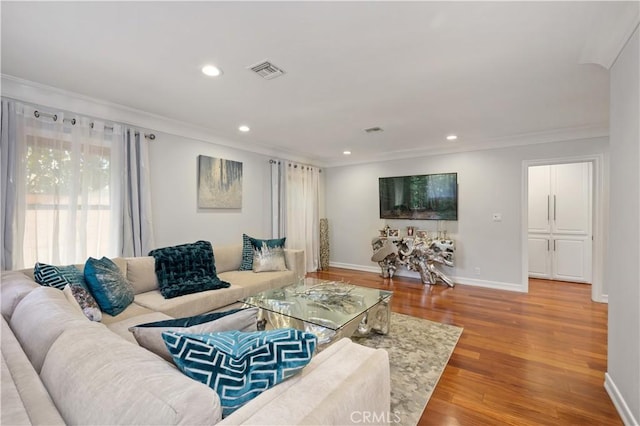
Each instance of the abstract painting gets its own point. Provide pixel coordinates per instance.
(219, 183)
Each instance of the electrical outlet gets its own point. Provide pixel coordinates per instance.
(477, 271)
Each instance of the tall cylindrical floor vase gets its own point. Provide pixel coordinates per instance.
(324, 244)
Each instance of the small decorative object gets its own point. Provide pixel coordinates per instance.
(324, 244)
(219, 183)
(383, 232)
(410, 230)
(421, 233)
(393, 233)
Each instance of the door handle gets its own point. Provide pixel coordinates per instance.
(554, 207)
(548, 196)
(554, 245)
(547, 245)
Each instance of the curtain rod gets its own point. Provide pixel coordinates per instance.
(295, 165)
(54, 117)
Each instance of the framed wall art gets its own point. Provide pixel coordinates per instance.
(219, 183)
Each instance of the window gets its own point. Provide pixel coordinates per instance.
(70, 191)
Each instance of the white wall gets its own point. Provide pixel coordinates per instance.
(173, 168)
(623, 266)
(490, 182)
(176, 216)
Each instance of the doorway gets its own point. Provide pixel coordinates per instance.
(568, 247)
(560, 222)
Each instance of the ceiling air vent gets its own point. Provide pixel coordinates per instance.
(374, 130)
(266, 70)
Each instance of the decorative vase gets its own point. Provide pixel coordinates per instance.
(324, 244)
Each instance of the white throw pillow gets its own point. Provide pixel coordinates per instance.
(149, 335)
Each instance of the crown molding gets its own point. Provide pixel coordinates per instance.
(56, 98)
(536, 138)
(609, 36)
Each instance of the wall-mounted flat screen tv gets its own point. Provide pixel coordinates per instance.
(426, 197)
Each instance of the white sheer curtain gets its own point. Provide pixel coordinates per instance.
(295, 203)
(65, 206)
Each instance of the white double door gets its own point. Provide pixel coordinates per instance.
(560, 222)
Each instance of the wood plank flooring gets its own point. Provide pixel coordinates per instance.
(523, 359)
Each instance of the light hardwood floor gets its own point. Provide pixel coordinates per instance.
(523, 359)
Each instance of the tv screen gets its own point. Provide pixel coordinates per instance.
(427, 197)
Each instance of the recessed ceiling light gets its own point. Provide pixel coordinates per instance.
(452, 137)
(244, 128)
(211, 70)
(346, 152)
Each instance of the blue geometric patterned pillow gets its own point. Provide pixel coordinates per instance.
(106, 283)
(249, 244)
(58, 276)
(240, 366)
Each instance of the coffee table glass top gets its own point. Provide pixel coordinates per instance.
(330, 304)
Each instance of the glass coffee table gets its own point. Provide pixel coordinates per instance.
(328, 309)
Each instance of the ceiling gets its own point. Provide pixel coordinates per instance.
(493, 73)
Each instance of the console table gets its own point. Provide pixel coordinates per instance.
(421, 254)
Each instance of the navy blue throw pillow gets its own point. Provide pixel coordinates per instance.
(186, 268)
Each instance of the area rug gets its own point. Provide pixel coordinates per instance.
(418, 353)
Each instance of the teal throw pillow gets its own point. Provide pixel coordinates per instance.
(57, 276)
(108, 286)
(240, 366)
(149, 335)
(249, 244)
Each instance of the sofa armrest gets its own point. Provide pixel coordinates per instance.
(296, 262)
(341, 385)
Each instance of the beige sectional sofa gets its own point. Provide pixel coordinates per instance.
(60, 368)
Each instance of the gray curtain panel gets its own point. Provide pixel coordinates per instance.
(137, 224)
(8, 179)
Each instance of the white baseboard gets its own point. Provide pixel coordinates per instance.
(374, 269)
(412, 274)
(496, 285)
(619, 402)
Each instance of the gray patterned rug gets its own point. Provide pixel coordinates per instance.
(418, 353)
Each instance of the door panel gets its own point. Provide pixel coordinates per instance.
(572, 259)
(539, 261)
(539, 199)
(571, 203)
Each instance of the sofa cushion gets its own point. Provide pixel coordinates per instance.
(108, 285)
(249, 244)
(191, 304)
(141, 273)
(253, 283)
(40, 318)
(228, 258)
(97, 378)
(25, 400)
(149, 335)
(133, 310)
(81, 298)
(186, 269)
(15, 286)
(240, 366)
(121, 328)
